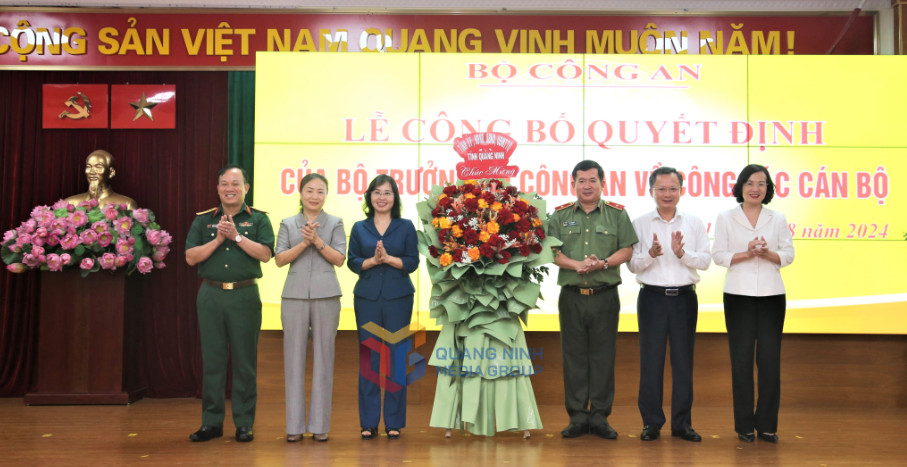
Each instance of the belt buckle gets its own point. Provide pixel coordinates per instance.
(228, 285)
(583, 291)
(672, 292)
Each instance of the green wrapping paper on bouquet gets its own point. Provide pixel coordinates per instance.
(485, 246)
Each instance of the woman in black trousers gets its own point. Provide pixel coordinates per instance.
(754, 243)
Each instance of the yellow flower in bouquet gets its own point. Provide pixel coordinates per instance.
(483, 222)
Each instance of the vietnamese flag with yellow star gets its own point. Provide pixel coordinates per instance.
(143, 106)
(74, 106)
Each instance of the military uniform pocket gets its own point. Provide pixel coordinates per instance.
(605, 240)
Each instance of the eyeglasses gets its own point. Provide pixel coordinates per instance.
(662, 190)
(383, 194)
(759, 184)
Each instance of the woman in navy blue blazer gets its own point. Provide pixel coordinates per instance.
(383, 252)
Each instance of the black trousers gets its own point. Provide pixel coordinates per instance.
(662, 319)
(589, 344)
(754, 328)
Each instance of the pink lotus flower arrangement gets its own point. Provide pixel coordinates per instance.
(86, 236)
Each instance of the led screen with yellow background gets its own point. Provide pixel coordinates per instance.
(828, 128)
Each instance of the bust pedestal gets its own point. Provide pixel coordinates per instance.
(88, 339)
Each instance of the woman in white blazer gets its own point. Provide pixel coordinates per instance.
(313, 243)
(754, 243)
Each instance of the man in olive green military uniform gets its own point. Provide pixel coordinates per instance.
(229, 243)
(597, 237)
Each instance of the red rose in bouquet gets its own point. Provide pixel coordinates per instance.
(484, 221)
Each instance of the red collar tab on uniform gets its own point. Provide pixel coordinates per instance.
(619, 207)
(565, 206)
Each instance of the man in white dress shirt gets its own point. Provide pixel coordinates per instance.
(672, 246)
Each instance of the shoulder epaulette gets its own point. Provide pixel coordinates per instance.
(565, 206)
(206, 212)
(259, 210)
(619, 207)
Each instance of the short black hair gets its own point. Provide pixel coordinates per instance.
(312, 176)
(376, 182)
(245, 176)
(587, 164)
(664, 171)
(745, 175)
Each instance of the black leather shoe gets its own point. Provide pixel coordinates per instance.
(603, 431)
(244, 434)
(688, 434)
(771, 438)
(575, 429)
(650, 433)
(747, 437)
(206, 433)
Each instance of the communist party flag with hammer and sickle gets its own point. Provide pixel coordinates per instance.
(74, 106)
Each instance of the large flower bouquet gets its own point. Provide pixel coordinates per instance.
(87, 236)
(486, 248)
(483, 226)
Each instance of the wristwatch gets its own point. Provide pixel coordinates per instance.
(238, 238)
(606, 263)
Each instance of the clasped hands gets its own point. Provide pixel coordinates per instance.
(310, 234)
(590, 264)
(226, 228)
(757, 247)
(676, 245)
(381, 255)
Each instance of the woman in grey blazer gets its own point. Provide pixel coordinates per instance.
(312, 243)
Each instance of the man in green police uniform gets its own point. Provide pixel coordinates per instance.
(597, 237)
(229, 243)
